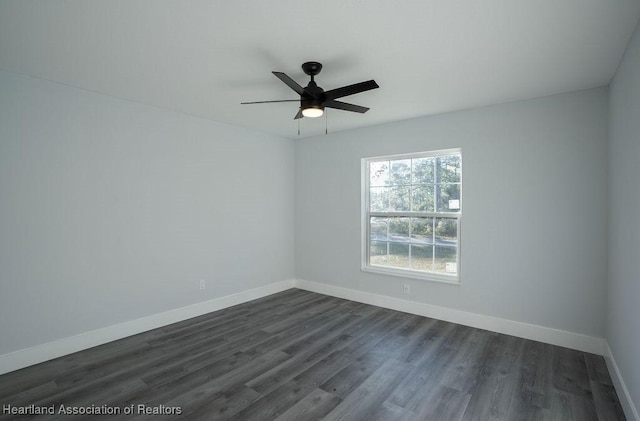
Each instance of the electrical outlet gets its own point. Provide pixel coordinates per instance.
(203, 284)
(405, 289)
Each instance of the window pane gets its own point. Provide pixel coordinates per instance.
(399, 255)
(445, 261)
(379, 229)
(446, 231)
(422, 230)
(378, 253)
(379, 173)
(422, 170)
(379, 248)
(379, 199)
(422, 257)
(400, 172)
(448, 169)
(448, 198)
(399, 198)
(422, 198)
(399, 229)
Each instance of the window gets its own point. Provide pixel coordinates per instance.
(411, 215)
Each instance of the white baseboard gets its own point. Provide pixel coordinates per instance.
(47, 351)
(523, 330)
(624, 396)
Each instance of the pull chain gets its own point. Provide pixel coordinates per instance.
(298, 127)
(326, 125)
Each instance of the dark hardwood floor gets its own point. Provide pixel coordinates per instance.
(298, 355)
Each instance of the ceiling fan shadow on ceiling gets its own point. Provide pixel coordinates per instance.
(313, 99)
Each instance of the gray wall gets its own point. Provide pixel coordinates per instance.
(111, 210)
(623, 311)
(534, 227)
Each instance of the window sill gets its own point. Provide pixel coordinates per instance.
(404, 273)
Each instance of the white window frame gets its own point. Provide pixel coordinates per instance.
(366, 214)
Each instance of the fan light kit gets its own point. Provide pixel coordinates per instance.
(313, 99)
(312, 112)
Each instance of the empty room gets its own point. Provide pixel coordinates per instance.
(336, 210)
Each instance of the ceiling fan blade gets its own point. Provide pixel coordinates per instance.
(289, 82)
(339, 105)
(351, 89)
(266, 102)
(299, 115)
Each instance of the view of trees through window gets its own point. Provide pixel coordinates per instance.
(413, 212)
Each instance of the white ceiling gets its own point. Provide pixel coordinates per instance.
(205, 57)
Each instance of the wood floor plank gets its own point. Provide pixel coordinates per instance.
(218, 370)
(559, 408)
(442, 403)
(103, 366)
(354, 374)
(339, 324)
(389, 411)
(314, 406)
(537, 374)
(300, 332)
(570, 372)
(362, 402)
(103, 393)
(199, 393)
(223, 406)
(428, 342)
(498, 382)
(30, 377)
(34, 394)
(298, 355)
(429, 371)
(294, 366)
(597, 369)
(582, 407)
(318, 307)
(464, 369)
(325, 342)
(606, 401)
(280, 399)
(417, 342)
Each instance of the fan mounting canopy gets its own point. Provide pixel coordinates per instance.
(311, 68)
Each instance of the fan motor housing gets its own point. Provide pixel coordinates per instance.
(313, 96)
(311, 103)
(313, 91)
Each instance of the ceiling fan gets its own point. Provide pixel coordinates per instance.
(313, 99)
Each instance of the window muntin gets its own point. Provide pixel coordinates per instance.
(411, 214)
